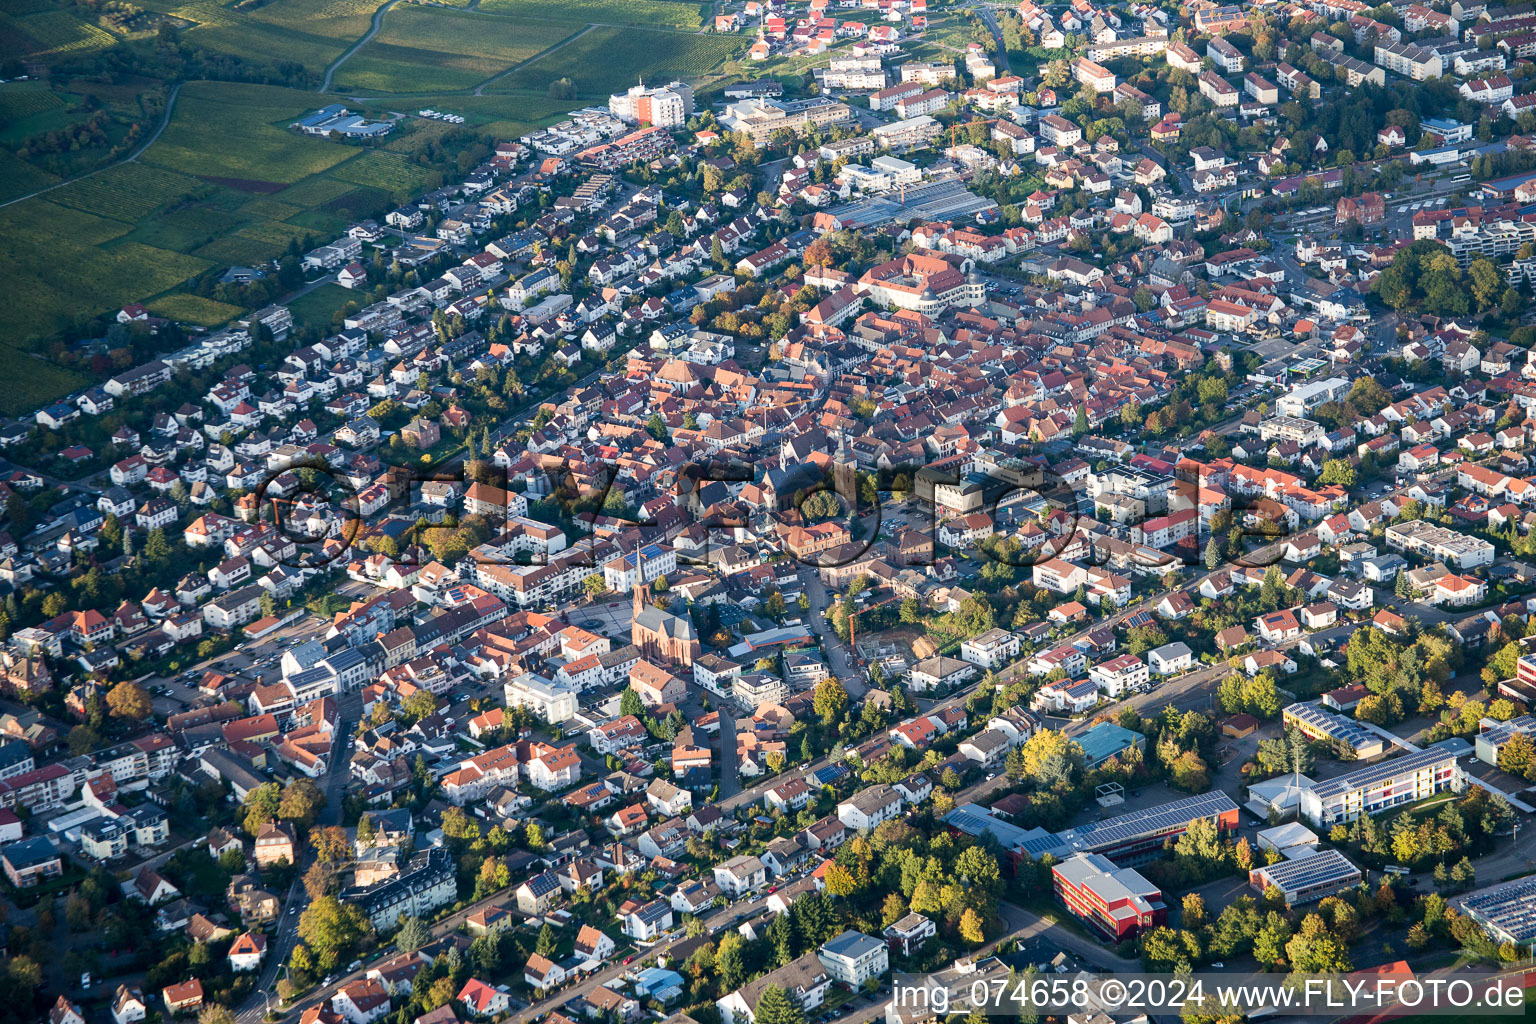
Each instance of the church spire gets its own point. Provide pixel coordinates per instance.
(639, 581)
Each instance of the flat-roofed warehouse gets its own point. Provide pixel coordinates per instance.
(1307, 879)
(1507, 911)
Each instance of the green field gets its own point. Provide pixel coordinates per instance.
(26, 383)
(608, 60)
(241, 134)
(24, 99)
(127, 192)
(49, 34)
(317, 308)
(229, 182)
(657, 13)
(18, 178)
(426, 50)
(194, 309)
(192, 202)
(311, 32)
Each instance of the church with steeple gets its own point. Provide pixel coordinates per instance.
(660, 635)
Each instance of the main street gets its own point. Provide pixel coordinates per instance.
(334, 785)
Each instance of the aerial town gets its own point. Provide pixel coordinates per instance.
(1061, 510)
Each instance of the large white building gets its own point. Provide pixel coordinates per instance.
(555, 702)
(429, 882)
(854, 958)
(1506, 911)
(1303, 399)
(665, 107)
(1379, 787)
(1433, 541)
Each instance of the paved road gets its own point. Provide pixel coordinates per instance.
(334, 785)
(853, 680)
(1026, 925)
(314, 996)
(1000, 58)
(480, 89)
(170, 104)
(373, 30)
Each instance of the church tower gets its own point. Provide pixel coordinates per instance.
(845, 477)
(640, 601)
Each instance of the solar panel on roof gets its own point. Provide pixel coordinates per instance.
(1333, 725)
(1148, 821)
(1372, 774)
(1510, 907)
(1323, 866)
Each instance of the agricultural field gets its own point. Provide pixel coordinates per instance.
(608, 60)
(191, 203)
(127, 192)
(311, 32)
(656, 13)
(318, 308)
(19, 178)
(28, 382)
(239, 134)
(427, 50)
(384, 170)
(64, 127)
(49, 34)
(27, 108)
(194, 309)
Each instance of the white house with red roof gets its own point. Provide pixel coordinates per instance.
(481, 1000)
(246, 952)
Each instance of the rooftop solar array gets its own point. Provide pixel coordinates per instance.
(1500, 733)
(1335, 726)
(1098, 835)
(1372, 774)
(1511, 908)
(1320, 868)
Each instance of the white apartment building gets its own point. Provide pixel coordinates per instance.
(1123, 674)
(854, 958)
(665, 107)
(555, 702)
(991, 650)
(1381, 786)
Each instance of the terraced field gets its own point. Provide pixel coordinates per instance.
(608, 60)
(194, 309)
(28, 383)
(49, 34)
(19, 178)
(127, 192)
(426, 50)
(21, 100)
